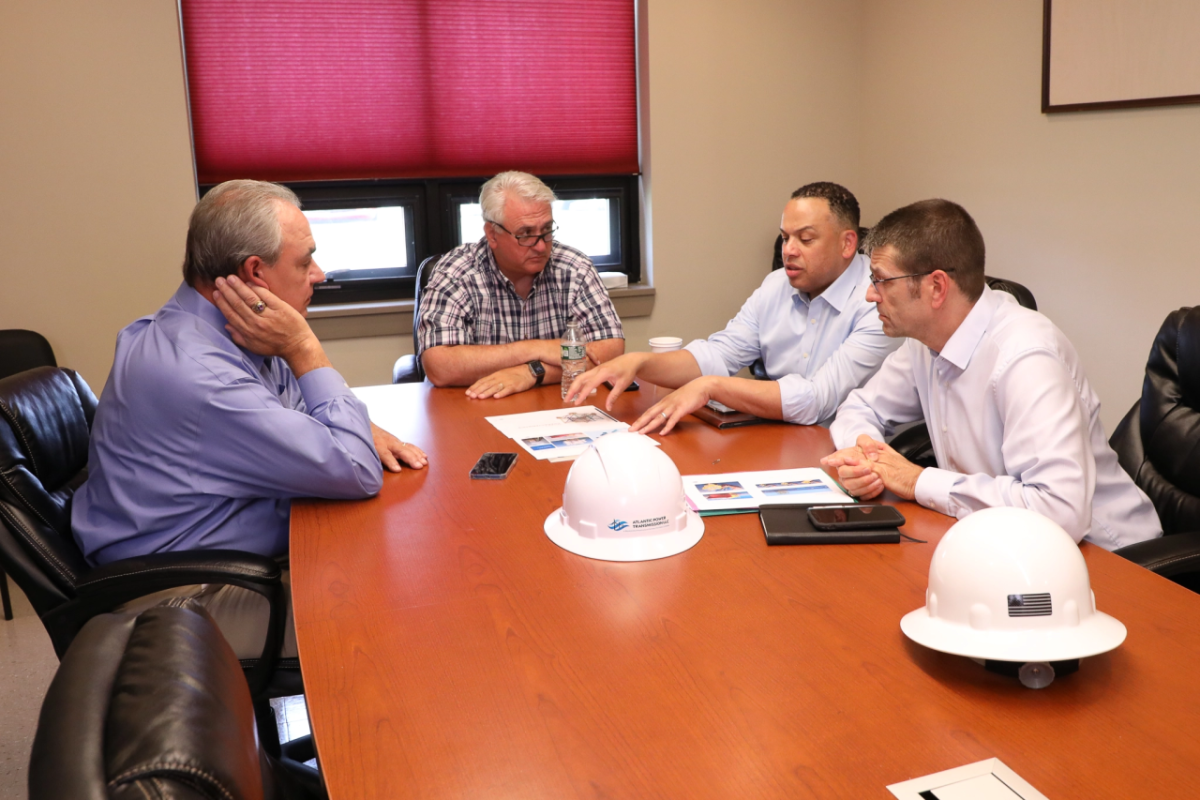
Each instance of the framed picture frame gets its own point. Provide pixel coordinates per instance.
(1106, 54)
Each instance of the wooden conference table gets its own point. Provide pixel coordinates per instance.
(451, 650)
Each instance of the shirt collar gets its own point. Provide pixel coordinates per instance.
(841, 291)
(195, 303)
(963, 342)
(504, 279)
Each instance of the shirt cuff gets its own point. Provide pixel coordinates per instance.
(798, 399)
(321, 385)
(710, 363)
(933, 489)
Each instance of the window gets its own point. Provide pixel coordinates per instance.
(385, 118)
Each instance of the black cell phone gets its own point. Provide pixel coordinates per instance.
(632, 387)
(853, 518)
(494, 465)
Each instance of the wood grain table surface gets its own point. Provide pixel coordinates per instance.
(450, 649)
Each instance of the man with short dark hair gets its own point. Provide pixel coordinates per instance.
(809, 322)
(495, 310)
(1010, 413)
(222, 406)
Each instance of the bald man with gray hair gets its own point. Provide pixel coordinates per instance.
(494, 310)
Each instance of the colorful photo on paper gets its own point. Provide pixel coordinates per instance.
(793, 487)
(580, 417)
(723, 488)
(538, 443)
(728, 496)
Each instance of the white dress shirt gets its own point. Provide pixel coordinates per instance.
(818, 349)
(1013, 422)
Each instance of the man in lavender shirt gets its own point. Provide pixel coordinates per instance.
(222, 406)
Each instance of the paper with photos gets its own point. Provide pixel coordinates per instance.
(746, 491)
(557, 434)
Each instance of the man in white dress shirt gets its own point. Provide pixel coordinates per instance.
(1011, 416)
(809, 322)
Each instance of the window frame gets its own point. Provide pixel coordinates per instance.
(433, 223)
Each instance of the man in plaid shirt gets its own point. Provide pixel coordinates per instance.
(494, 310)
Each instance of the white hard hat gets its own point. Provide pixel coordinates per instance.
(1008, 584)
(624, 501)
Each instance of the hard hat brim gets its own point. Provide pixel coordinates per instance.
(1096, 634)
(633, 548)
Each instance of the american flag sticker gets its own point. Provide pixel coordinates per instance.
(1029, 605)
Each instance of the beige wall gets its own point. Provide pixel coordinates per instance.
(1090, 211)
(742, 104)
(95, 170)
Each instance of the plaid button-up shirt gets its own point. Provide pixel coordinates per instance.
(469, 301)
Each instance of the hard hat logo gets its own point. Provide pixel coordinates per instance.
(1030, 605)
(618, 525)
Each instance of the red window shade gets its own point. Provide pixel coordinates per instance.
(292, 90)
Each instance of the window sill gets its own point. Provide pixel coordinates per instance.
(394, 317)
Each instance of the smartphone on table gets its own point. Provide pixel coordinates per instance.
(853, 518)
(494, 465)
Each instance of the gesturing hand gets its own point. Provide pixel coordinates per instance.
(668, 411)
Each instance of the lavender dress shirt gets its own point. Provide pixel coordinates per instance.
(200, 444)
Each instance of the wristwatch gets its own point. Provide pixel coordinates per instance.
(539, 372)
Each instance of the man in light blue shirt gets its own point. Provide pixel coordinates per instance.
(222, 406)
(810, 323)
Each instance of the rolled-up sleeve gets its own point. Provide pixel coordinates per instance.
(737, 346)
(252, 446)
(815, 399)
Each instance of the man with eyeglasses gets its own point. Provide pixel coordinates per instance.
(1010, 413)
(494, 310)
(809, 322)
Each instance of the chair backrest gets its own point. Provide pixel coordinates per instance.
(45, 419)
(148, 705)
(21, 350)
(1156, 443)
(424, 273)
(1023, 295)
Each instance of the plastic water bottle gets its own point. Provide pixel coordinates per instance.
(572, 355)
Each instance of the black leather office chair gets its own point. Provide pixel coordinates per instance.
(1158, 444)
(913, 442)
(21, 350)
(408, 369)
(45, 418)
(154, 705)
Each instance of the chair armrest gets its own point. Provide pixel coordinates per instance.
(130, 578)
(407, 370)
(109, 586)
(1169, 556)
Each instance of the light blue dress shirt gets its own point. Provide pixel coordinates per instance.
(1013, 422)
(199, 444)
(818, 349)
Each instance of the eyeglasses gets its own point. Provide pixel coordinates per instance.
(876, 281)
(530, 239)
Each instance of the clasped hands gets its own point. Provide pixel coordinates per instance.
(871, 466)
